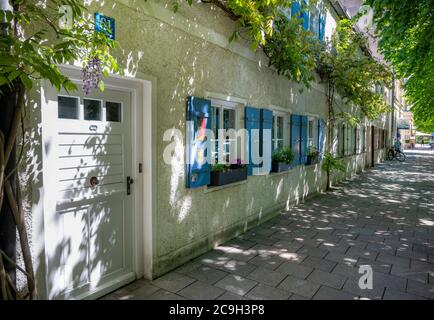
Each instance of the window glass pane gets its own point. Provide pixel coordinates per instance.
(113, 111)
(92, 109)
(67, 107)
(310, 133)
(273, 129)
(280, 144)
(228, 119)
(279, 127)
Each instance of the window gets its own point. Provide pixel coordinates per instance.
(357, 141)
(312, 133)
(341, 140)
(314, 22)
(223, 117)
(113, 111)
(363, 139)
(277, 132)
(68, 107)
(92, 109)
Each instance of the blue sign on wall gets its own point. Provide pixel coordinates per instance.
(105, 24)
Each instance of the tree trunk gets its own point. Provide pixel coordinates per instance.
(8, 101)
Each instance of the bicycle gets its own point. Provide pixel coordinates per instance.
(397, 154)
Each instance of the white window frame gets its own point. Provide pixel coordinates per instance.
(226, 105)
(312, 141)
(275, 139)
(286, 115)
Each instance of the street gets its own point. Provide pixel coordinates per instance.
(382, 218)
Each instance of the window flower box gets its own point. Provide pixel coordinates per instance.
(280, 166)
(222, 174)
(312, 156)
(282, 160)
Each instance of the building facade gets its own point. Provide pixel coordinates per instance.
(104, 204)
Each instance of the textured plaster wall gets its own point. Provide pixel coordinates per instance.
(190, 222)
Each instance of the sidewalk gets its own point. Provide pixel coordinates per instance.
(383, 218)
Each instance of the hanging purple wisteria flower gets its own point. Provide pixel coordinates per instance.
(91, 74)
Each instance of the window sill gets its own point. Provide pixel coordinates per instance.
(217, 188)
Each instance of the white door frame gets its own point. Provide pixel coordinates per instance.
(143, 152)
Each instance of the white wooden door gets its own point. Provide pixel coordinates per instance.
(88, 153)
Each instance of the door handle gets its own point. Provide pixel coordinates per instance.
(130, 181)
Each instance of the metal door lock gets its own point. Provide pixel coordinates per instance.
(130, 181)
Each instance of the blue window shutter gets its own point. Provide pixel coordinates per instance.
(266, 123)
(303, 140)
(305, 15)
(295, 137)
(295, 8)
(198, 116)
(321, 137)
(251, 122)
(322, 21)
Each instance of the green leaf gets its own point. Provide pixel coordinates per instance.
(26, 80)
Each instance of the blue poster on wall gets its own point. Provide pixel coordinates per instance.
(105, 24)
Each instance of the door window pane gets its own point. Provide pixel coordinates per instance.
(67, 107)
(92, 109)
(113, 111)
(228, 119)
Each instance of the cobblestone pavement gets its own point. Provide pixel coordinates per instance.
(383, 218)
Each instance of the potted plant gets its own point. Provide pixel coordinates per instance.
(312, 156)
(282, 159)
(222, 174)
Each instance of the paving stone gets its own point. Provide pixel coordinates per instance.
(377, 266)
(188, 267)
(144, 291)
(342, 258)
(207, 274)
(241, 255)
(394, 260)
(352, 286)
(313, 251)
(299, 286)
(292, 257)
(420, 289)
(390, 281)
(318, 263)
(328, 279)
(297, 297)
(165, 295)
(288, 246)
(346, 271)
(236, 284)
(267, 276)
(409, 253)
(295, 269)
(334, 247)
(364, 253)
(325, 293)
(240, 244)
(238, 267)
(201, 291)
(173, 282)
(231, 296)
(264, 292)
(270, 262)
(396, 295)
(416, 275)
